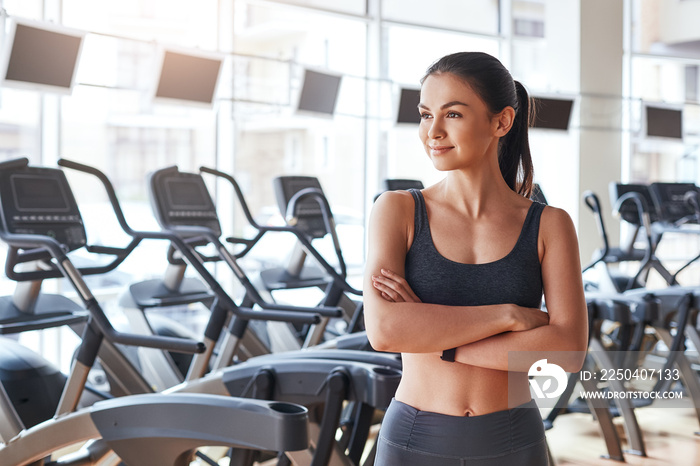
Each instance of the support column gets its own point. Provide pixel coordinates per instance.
(600, 113)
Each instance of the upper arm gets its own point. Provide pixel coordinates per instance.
(561, 276)
(389, 236)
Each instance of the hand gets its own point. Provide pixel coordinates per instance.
(394, 288)
(526, 318)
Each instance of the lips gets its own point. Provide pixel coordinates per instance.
(439, 150)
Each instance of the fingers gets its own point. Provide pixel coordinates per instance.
(387, 289)
(393, 287)
(403, 284)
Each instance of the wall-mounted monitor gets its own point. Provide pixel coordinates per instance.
(319, 93)
(188, 77)
(663, 122)
(41, 56)
(407, 112)
(552, 113)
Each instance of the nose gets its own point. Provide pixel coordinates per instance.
(436, 129)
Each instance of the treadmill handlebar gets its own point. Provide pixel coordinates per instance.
(14, 163)
(34, 244)
(180, 345)
(642, 208)
(591, 200)
(328, 220)
(692, 198)
(262, 229)
(108, 187)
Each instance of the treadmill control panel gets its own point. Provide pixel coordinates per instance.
(182, 199)
(39, 201)
(671, 200)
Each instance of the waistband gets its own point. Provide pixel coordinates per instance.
(484, 436)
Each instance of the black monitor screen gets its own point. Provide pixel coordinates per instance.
(188, 77)
(44, 57)
(34, 194)
(552, 113)
(664, 122)
(187, 195)
(319, 93)
(408, 106)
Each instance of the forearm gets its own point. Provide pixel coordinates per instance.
(429, 328)
(516, 351)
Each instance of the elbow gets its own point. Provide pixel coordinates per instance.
(379, 344)
(379, 334)
(569, 347)
(573, 361)
(573, 356)
(378, 340)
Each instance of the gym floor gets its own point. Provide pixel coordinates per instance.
(669, 436)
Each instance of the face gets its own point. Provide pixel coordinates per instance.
(457, 129)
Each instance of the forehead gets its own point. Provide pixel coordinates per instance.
(446, 87)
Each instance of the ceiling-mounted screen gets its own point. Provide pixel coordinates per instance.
(319, 93)
(41, 56)
(552, 113)
(188, 77)
(408, 106)
(663, 122)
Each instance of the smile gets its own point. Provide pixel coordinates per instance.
(439, 150)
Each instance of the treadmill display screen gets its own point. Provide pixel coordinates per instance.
(187, 195)
(34, 194)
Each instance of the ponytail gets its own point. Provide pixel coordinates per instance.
(514, 158)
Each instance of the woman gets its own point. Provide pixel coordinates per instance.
(455, 276)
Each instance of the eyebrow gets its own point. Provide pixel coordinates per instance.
(444, 106)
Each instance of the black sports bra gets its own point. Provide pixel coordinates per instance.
(515, 278)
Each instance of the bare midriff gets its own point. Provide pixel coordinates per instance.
(431, 384)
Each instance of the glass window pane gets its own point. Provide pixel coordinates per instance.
(20, 114)
(528, 18)
(117, 63)
(665, 27)
(32, 9)
(175, 22)
(479, 16)
(410, 51)
(355, 7)
(311, 39)
(659, 79)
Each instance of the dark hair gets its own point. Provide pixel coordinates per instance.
(493, 83)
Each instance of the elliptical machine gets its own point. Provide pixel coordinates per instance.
(40, 222)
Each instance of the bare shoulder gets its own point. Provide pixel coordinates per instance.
(392, 217)
(394, 204)
(557, 229)
(555, 219)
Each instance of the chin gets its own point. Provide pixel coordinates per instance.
(443, 166)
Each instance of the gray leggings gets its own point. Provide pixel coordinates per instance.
(412, 437)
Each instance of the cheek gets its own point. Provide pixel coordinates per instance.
(423, 131)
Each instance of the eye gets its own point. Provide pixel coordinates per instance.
(425, 116)
(453, 115)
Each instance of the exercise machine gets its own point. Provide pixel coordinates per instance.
(40, 222)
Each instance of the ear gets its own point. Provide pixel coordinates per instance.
(504, 121)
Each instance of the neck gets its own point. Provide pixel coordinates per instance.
(476, 192)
